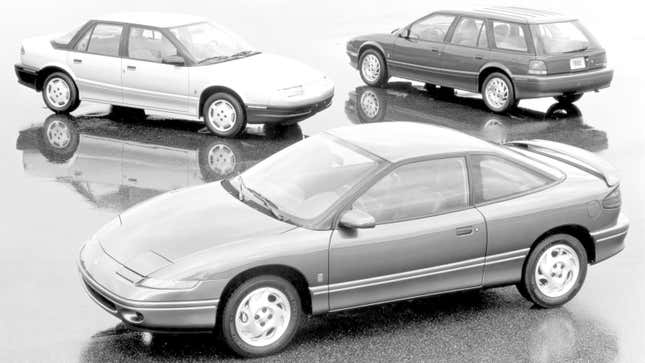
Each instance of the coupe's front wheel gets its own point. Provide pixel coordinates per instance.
(261, 316)
(60, 93)
(555, 271)
(373, 68)
(497, 92)
(223, 115)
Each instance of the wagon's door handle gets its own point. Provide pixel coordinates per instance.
(464, 231)
(77, 61)
(479, 57)
(132, 68)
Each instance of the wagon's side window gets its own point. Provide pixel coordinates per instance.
(467, 32)
(149, 44)
(509, 36)
(105, 39)
(483, 38)
(495, 178)
(432, 28)
(417, 190)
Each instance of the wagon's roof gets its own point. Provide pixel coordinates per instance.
(396, 141)
(517, 14)
(159, 20)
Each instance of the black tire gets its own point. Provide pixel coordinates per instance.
(230, 104)
(430, 87)
(219, 159)
(227, 325)
(382, 76)
(127, 114)
(59, 138)
(371, 105)
(72, 100)
(568, 97)
(510, 93)
(528, 286)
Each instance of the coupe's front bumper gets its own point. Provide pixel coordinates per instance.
(555, 85)
(27, 76)
(610, 241)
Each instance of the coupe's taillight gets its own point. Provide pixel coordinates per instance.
(612, 200)
(537, 67)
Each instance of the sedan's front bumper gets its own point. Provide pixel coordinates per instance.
(27, 76)
(610, 241)
(555, 85)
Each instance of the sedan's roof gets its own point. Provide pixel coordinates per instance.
(159, 20)
(516, 14)
(396, 141)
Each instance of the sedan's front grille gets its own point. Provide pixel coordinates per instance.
(100, 299)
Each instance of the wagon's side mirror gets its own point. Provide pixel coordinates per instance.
(356, 218)
(175, 60)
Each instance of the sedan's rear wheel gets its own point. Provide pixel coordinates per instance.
(497, 92)
(60, 93)
(555, 271)
(261, 316)
(568, 97)
(223, 115)
(373, 68)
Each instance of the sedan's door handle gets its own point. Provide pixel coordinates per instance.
(464, 231)
(132, 68)
(76, 60)
(479, 57)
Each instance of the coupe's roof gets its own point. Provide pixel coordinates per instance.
(517, 14)
(159, 20)
(396, 141)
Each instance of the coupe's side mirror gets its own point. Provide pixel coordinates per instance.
(356, 218)
(175, 60)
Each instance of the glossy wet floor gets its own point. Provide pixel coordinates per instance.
(64, 177)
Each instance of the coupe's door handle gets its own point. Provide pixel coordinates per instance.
(76, 60)
(464, 231)
(132, 68)
(479, 57)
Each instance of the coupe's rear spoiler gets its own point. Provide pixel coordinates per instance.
(571, 155)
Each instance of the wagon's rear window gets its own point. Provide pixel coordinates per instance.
(563, 37)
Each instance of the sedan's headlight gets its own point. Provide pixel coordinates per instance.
(292, 91)
(153, 283)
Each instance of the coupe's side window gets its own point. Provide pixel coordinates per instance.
(467, 32)
(509, 36)
(150, 45)
(432, 29)
(81, 45)
(495, 178)
(105, 39)
(417, 190)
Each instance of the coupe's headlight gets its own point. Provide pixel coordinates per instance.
(153, 283)
(108, 227)
(292, 91)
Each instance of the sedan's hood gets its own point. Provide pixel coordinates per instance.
(176, 224)
(267, 69)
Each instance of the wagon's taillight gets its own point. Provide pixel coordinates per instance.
(537, 67)
(612, 200)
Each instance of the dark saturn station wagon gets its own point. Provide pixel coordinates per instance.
(504, 53)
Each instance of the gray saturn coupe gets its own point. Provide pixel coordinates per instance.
(353, 217)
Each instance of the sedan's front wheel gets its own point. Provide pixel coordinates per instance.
(554, 271)
(261, 316)
(223, 115)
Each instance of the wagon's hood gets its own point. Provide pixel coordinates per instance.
(272, 71)
(176, 224)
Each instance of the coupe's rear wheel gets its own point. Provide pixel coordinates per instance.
(497, 92)
(373, 68)
(261, 316)
(555, 271)
(568, 97)
(223, 115)
(60, 93)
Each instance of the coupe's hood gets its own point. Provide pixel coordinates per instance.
(272, 70)
(176, 224)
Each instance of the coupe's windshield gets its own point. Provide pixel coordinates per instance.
(304, 180)
(207, 41)
(564, 37)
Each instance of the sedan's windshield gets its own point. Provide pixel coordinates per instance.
(303, 181)
(563, 37)
(207, 41)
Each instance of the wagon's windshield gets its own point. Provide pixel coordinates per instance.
(563, 37)
(301, 182)
(209, 42)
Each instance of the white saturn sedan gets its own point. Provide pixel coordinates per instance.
(172, 64)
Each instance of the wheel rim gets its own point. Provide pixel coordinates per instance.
(557, 270)
(58, 134)
(497, 93)
(222, 115)
(57, 91)
(371, 67)
(263, 316)
(370, 104)
(221, 159)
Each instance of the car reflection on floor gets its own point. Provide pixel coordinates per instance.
(403, 101)
(116, 161)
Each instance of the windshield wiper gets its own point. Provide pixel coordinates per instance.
(577, 50)
(243, 53)
(215, 58)
(266, 202)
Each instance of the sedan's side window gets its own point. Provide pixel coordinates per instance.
(432, 28)
(495, 178)
(81, 45)
(509, 36)
(149, 45)
(105, 40)
(467, 32)
(417, 190)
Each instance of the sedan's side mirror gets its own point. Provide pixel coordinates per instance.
(356, 218)
(175, 60)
